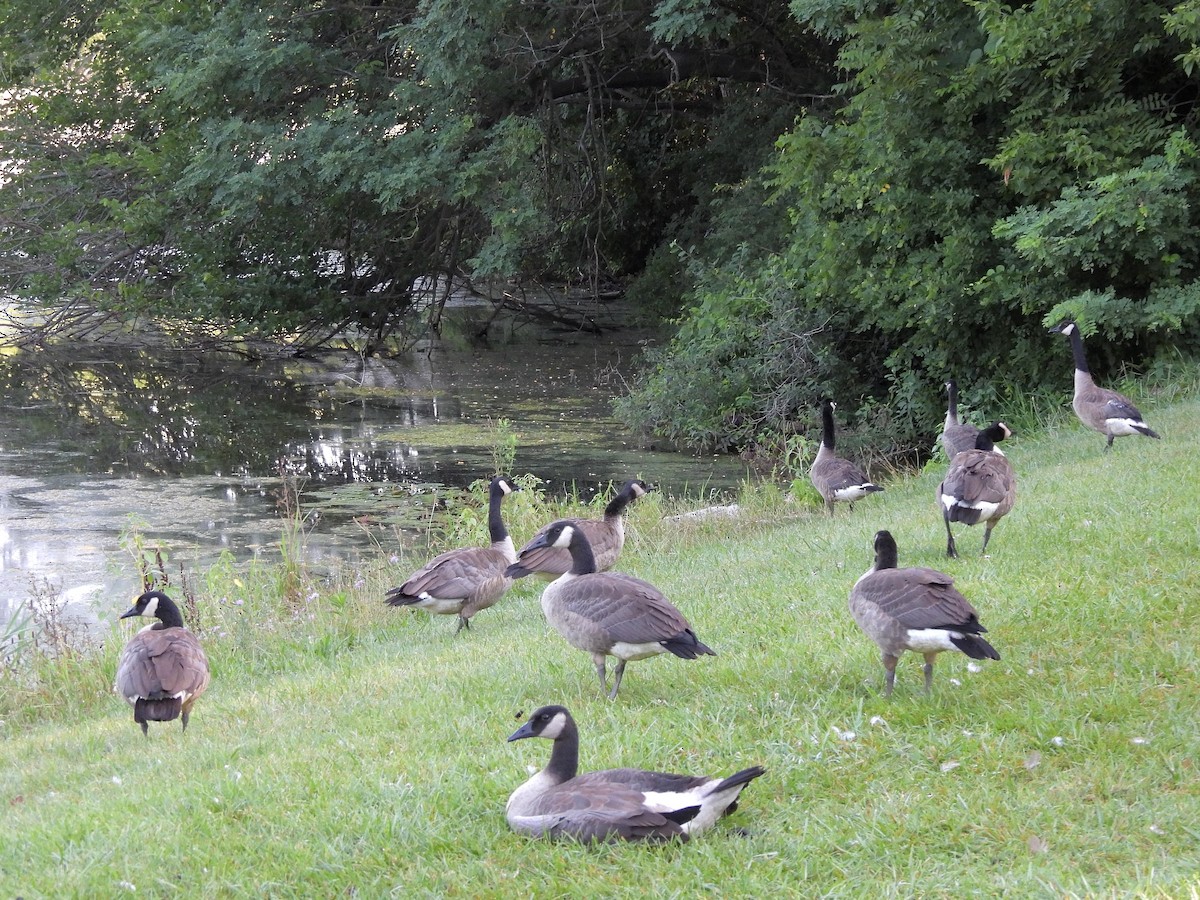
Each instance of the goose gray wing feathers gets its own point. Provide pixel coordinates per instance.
(919, 598)
(979, 476)
(628, 609)
(160, 671)
(598, 811)
(453, 574)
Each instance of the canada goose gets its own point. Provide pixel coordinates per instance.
(914, 609)
(1098, 408)
(617, 804)
(462, 582)
(163, 669)
(979, 487)
(836, 478)
(956, 436)
(606, 536)
(607, 613)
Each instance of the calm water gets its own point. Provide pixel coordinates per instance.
(188, 450)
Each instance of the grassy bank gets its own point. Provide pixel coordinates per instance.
(346, 748)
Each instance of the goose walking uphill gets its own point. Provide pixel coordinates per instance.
(956, 436)
(914, 609)
(1100, 409)
(837, 479)
(606, 537)
(617, 804)
(464, 581)
(607, 613)
(980, 486)
(163, 670)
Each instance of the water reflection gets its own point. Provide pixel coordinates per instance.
(189, 449)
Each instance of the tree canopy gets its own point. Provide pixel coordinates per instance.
(843, 197)
(305, 165)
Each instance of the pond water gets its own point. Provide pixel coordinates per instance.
(186, 450)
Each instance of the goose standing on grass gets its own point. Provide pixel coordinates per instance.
(956, 436)
(979, 487)
(837, 479)
(914, 609)
(607, 613)
(163, 670)
(1100, 409)
(606, 536)
(617, 804)
(462, 582)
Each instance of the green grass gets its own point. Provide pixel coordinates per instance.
(349, 748)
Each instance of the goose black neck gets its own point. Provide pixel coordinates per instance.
(564, 755)
(583, 560)
(167, 612)
(1077, 350)
(987, 438)
(952, 406)
(496, 529)
(886, 554)
(827, 435)
(617, 504)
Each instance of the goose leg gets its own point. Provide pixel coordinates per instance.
(598, 658)
(462, 623)
(987, 533)
(951, 550)
(889, 666)
(1108, 446)
(183, 716)
(617, 673)
(929, 658)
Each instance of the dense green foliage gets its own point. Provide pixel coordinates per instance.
(994, 168)
(346, 748)
(303, 165)
(844, 197)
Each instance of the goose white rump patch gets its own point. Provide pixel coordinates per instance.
(931, 640)
(986, 510)
(854, 492)
(625, 650)
(1122, 427)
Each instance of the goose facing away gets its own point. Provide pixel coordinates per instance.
(956, 436)
(163, 670)
(980, 486)
(608, 613)
(914, 609)
(1100, 409)
(606, 536)
(617, 804)
(837, 479)
(462, 582)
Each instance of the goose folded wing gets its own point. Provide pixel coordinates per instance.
(455, 573)
(636, 613)
(920, 598)
(986, 479)
(181, 665)
(1119, 407)
(600, 812)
